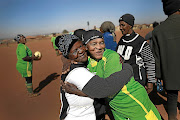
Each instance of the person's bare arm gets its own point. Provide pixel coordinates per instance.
(28, 58)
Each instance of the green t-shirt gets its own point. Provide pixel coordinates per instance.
(132, 97)
(53, 41)
(24, 67)
(106, 66)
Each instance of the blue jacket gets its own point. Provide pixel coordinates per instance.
(109, 42)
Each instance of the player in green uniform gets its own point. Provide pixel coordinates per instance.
(132, 101)
(53, 44)
(25, 62)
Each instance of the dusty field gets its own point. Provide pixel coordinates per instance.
(14, 102)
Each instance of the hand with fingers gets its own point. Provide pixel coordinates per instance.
(71, 89)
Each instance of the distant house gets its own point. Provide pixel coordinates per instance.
(145, 26)
(151, 25)
(136, 26)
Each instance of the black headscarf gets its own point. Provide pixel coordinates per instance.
(65, 42)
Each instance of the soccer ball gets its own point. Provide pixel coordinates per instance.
(38, 54)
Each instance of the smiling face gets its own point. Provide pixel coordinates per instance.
(96, 48)
(125, 28)
(78, 52)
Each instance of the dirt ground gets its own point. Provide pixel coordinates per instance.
(14, 102)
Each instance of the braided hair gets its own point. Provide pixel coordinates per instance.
(108, 26)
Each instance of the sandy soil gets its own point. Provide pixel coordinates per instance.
(14, 102)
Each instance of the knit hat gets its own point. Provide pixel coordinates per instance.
(17, 38)
(91, 35)
(65, 43)
(80, 33)
(171, 6)
(128, 18)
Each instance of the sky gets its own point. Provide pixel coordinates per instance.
(34, 17)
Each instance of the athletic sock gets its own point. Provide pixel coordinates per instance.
(29, 87)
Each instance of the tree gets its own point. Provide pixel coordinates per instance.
(65, 31)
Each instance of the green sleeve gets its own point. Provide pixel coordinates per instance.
(112, 64)
(22, 51)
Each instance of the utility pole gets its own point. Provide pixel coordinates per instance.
(88, 24)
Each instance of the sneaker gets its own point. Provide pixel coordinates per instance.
(33, 94)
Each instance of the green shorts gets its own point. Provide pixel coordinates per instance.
(24, 69)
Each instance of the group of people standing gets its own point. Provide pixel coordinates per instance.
(105, 78)
(136, 51)
(125, 95)
(113, 79)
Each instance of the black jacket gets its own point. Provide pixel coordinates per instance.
(136, 51)
(166, 49)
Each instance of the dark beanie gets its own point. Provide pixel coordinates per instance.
(80, 33)
(91, 35)
(171, 6)
(128, 18)
(65, 43)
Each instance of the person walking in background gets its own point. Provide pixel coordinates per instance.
(136, 51)
(166, 41)
(108, 30)
(148, 36)
(25, 62)
(53, 44)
